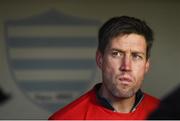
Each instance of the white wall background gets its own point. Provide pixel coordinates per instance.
(162, 16)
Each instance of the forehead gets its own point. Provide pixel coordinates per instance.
(125, 42)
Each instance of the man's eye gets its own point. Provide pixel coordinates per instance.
(137, 57)
(116, 53)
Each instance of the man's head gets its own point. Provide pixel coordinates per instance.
(124, 25)
(123, 55)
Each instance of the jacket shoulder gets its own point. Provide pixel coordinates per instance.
(72, 110)
(151, 98)
(150, 102)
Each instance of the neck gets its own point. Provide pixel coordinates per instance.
(122, 105)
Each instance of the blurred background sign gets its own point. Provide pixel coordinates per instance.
(51, 56)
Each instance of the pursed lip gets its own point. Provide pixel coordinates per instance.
(125, 79)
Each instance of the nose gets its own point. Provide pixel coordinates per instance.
(125, 63)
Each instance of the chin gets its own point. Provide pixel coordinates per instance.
(124, 93)
(121, 94)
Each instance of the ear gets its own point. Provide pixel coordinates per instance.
(147, 66)
(99, 58)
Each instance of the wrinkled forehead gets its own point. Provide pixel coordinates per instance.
(133, 41)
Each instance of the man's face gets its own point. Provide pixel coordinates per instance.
(123, 65)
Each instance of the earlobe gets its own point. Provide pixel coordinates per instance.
(99, 59)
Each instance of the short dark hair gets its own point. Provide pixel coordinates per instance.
(124, 25)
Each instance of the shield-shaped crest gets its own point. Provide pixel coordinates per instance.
(52, 56)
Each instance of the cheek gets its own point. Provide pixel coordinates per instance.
(139, 72)
(109, 67)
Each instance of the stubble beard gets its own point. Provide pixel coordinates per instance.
(122, 91)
